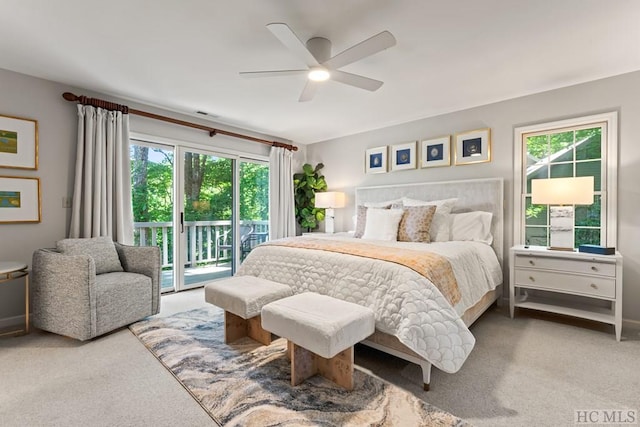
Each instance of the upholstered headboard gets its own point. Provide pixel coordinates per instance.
(473, 195)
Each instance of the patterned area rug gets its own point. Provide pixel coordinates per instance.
(248, 384)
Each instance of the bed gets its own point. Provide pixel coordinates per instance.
(415, 319)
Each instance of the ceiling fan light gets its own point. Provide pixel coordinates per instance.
(318, 74)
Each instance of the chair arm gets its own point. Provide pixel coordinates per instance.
(64, 294)
(144, 260)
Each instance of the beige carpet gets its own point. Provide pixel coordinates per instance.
(530, 371)
(248, 384)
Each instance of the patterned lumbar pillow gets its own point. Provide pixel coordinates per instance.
(101, 249)
(416, 223)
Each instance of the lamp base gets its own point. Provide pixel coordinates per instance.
(328, 221)
(561, 228)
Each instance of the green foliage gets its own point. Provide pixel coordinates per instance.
(306, 184)
(208, 199)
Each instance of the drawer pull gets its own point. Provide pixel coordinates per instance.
(531, 262)
(594, 268)
(532, 279)
(594, 286)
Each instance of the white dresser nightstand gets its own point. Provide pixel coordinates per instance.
(574, 273)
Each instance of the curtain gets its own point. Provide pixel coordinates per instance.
(282, 220)
(102, 187)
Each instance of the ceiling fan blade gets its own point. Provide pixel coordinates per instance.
(277, 73)
(288, 38)
(309, 91)
(368, 47)
(356, 80)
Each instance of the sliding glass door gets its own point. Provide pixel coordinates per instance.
(222, 213)
(206, 217)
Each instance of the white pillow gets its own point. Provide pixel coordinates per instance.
(440, 224)
(474, 226)
(386, 204)
(382, 224)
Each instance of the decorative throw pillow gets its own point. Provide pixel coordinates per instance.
(474, 226)
(361, 218)
(101, 249)
(382, 224)
(361, 221)
(416, 223)
(440, 225)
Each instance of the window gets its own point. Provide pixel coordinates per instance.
(584, 146)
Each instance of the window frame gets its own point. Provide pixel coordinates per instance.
(609, 171)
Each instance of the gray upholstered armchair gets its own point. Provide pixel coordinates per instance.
(88, 287)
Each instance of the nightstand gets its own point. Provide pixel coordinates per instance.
(316, 233)
(598, 277)
(11, 270)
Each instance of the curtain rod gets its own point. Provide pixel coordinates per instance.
(126, 110)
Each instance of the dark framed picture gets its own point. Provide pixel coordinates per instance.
(18, 143)
(403, 156)
(19, 199)
(376, 160)
(473, 146)
(435, 152)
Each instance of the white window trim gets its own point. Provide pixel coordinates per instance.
(609, 185)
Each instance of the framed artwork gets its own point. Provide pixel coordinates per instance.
(403, 156)
(18, 143)
(376, 160)
(435, 152)
(473, 146)
(19, 199)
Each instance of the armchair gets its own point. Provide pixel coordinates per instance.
(88, 287)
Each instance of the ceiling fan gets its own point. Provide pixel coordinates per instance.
(321, 65)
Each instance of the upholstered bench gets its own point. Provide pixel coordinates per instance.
(242, 298)
(321, 331)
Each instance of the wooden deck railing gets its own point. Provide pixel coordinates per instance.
(207, 241)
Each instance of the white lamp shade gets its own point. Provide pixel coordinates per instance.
(562, 191)
(330, 199)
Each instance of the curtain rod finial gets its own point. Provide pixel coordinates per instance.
(69, 96)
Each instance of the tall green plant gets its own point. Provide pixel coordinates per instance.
(306, 184)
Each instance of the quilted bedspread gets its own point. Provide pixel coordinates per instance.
(406, 304)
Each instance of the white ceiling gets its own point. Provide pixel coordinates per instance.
(450, 55)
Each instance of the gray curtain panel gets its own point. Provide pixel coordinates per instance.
(282, 219)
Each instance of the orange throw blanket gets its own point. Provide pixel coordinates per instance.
(436, 268)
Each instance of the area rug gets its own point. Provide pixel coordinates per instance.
(247, 384)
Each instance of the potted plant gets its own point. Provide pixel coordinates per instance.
(306, 184)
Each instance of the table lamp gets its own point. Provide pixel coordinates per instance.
(561, 194)
(329, 200)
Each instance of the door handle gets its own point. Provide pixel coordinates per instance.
(182, 222)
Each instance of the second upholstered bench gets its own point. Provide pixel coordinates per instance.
(321, 331)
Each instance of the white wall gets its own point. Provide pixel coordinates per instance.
(344, 157)
(41, 100)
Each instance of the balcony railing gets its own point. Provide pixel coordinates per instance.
(208, 242)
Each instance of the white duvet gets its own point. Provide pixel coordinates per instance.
(406, 304)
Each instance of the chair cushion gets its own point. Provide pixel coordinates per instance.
(101, 249)
(319, 323)
(121, 299)
(244, 296)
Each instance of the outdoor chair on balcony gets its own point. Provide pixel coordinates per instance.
(225, 239)
(88, 287)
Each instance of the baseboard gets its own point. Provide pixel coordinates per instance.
(9, 322)
(628, 323)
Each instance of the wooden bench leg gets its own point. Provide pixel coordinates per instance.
(255, 331)
(235, 327)
(305, 364)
